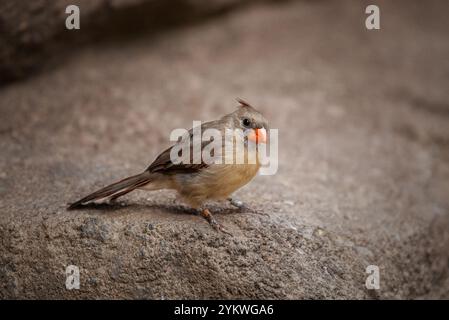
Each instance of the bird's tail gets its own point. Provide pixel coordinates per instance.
(115, 190)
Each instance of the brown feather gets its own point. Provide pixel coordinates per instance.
(115, 190)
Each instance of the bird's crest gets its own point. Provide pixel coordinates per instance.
(243, 103)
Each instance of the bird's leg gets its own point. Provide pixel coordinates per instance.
(208, 216)
(242, 206)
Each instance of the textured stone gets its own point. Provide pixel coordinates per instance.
(364, 159)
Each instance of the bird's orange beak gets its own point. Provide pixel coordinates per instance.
(258, 135)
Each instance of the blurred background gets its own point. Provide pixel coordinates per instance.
(363, 119)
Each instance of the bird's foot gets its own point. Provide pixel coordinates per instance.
(237, 203)
(214, 224)
(243, 207)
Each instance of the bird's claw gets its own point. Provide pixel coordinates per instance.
(237, 203)
(214, 224)
(219, 227)
(243, 207)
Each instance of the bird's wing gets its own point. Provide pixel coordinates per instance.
(163, 163)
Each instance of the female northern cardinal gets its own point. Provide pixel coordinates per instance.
(199, 182)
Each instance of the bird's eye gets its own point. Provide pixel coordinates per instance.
(246, 122)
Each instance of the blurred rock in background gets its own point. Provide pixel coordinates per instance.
(32, 31)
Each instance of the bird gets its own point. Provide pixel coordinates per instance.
(199, 182)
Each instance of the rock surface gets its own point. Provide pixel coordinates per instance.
(364, 159)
